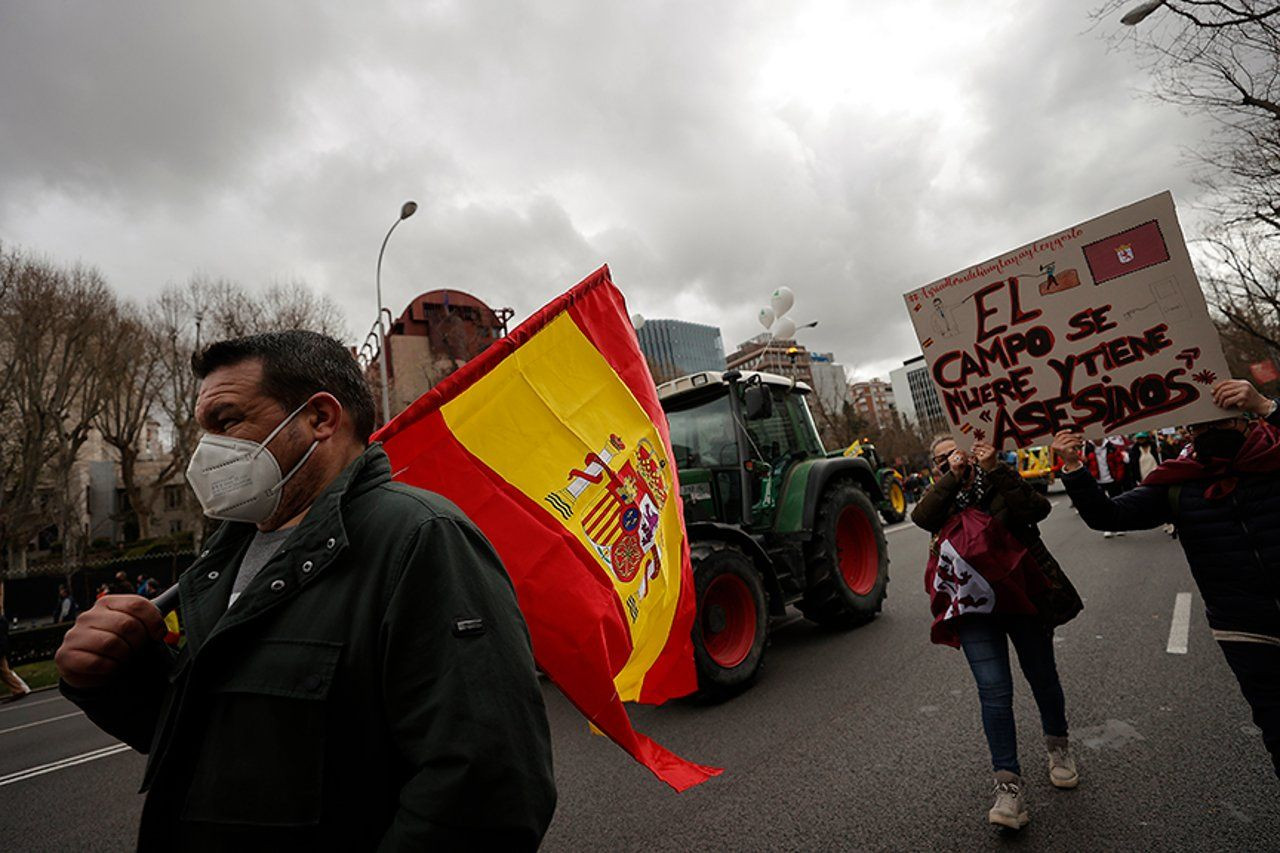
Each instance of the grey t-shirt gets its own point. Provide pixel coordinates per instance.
(263, 547)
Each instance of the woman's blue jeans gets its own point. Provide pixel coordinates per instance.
(983, 638)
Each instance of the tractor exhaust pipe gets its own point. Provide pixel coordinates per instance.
(733, 377)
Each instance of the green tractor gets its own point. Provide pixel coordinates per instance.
(771, 519)
(893, 508)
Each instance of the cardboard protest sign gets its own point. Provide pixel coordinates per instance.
(1100, 328)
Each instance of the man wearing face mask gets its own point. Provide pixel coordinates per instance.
(1224, 498)
(356, 673)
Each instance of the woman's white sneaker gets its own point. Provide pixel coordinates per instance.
(1062, 768)
(1010, 808)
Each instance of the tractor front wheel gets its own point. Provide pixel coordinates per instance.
(847, 560)
(894, 507)
(730, 631)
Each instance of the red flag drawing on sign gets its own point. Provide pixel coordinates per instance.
(1264, 371)
(1120, 254)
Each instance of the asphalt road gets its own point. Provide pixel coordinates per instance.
(865, 740)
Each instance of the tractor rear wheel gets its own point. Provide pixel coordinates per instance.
(847, 560)
(894, 507)
(731, 628)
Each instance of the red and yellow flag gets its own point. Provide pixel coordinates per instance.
(553, 442)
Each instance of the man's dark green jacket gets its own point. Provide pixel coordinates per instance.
(373, 687)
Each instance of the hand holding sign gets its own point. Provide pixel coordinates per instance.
(1240, 394)
(985, 455)
(1067, 445)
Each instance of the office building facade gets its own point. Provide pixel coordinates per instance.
(675, 348)
(917, 397)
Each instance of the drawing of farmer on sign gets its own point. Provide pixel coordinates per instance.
(943, 324)
(1055, 283)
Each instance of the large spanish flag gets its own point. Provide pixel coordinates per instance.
(553, 442)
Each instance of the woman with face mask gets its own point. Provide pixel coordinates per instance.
(973, 609)
(1224, 498)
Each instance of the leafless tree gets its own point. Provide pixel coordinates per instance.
(1244, 284)
(294, 305)
(900, 440)
(134, 394)
(178, 325)
(837, 429)
(1220, 58)
(234, 312)
(53, 321)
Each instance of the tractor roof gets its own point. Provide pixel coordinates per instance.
(699, 382)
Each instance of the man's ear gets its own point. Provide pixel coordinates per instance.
(326, 415)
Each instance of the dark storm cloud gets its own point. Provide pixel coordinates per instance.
(268, 140)
(147, 104)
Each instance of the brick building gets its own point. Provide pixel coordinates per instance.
(873, 402)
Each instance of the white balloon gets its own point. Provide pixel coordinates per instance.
(637, 321)
(782, 300)
(784, 329)
(766, 317)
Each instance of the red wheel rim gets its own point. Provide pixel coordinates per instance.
(856, 550)
(728, 620)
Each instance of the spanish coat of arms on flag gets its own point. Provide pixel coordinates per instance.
(554, 443)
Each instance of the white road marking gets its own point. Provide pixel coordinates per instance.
(1180, 627)
(902, 525)
(83, 758)
(19, 704)
(41, 722)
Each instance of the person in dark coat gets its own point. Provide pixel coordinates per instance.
(1144, 457)
(67, 607)
(1172, 444)
(356, 673)
(1225, 500)
(981, 481)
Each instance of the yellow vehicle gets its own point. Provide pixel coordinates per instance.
(1035, 464)
(894, 506)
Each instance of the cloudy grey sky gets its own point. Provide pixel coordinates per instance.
(708, 152)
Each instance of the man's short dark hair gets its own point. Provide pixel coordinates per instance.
(295, 365)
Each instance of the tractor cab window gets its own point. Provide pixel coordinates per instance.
(789, 430)
(702, 435)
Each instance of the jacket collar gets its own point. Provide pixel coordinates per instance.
(314, 545)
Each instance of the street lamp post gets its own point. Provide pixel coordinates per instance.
(1139, 13)
(406, 210)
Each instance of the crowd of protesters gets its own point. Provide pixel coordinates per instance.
(144, 586)
(1214, 485)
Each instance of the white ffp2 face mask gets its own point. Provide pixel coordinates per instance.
(239, 480)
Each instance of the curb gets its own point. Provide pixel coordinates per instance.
(10, 699)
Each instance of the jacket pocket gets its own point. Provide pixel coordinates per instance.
(261, 759)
